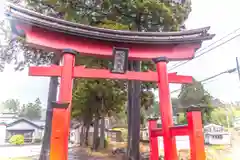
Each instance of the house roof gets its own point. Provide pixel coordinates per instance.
(217, 133)
(25, 120)
(213, 125)
(40, 123)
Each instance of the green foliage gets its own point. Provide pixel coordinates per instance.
(192, 94)
(182, 119)
(31, 111)
(17, 140)
(12, 105)
(195, 94)
(222, 116)
(148, 15)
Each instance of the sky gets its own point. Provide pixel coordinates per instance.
(222, 17)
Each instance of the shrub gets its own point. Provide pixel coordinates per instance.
(17, 139)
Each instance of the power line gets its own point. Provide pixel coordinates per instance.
(203, 53)
(234, 31)
(212, 77)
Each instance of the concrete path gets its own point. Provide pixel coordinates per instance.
(236, 147)
(22, 151)
(19, 151)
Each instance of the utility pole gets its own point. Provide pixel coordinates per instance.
(238, 68)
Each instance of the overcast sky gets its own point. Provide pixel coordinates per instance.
(221, 16)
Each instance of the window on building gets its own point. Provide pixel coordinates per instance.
(218, 136)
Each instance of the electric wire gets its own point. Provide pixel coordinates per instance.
(205, 52)
(211, 78)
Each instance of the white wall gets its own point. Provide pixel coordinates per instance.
(181, 141)
(225, 140)
(2, 133)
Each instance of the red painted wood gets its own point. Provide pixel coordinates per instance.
(174, 131)
(81, 72)
(61, 117)
(150, 76)
(165, 108)
(53, 41)
(52, 70)
(153, 145)
(196, 136)
(156, 132)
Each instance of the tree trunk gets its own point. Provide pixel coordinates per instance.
(136, 116)
(82, 135)
(86, 134)
(95, 134)
(102, 133)
(129, 112)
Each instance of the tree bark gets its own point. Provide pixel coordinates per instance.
(82, 135)
(95, 134)
(87, 134)
(102, 133)
(136, 105)
(129, 112)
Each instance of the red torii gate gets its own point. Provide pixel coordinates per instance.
(68, 38)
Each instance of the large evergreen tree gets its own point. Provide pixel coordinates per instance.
(195, 94)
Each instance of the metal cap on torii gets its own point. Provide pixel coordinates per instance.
(193, 108)
(160, 59)
(152, 118)
(60, 105)
(69, 51)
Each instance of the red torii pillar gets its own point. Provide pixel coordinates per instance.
(165, 108)
(61, 117)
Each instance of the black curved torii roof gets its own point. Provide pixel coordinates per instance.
(20, 14)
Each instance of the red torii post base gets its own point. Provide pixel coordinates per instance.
(194, 130)
(153, 141)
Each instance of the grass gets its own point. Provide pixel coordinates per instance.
(217, 147)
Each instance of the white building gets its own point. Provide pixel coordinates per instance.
(11, 125)
(216, 135)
